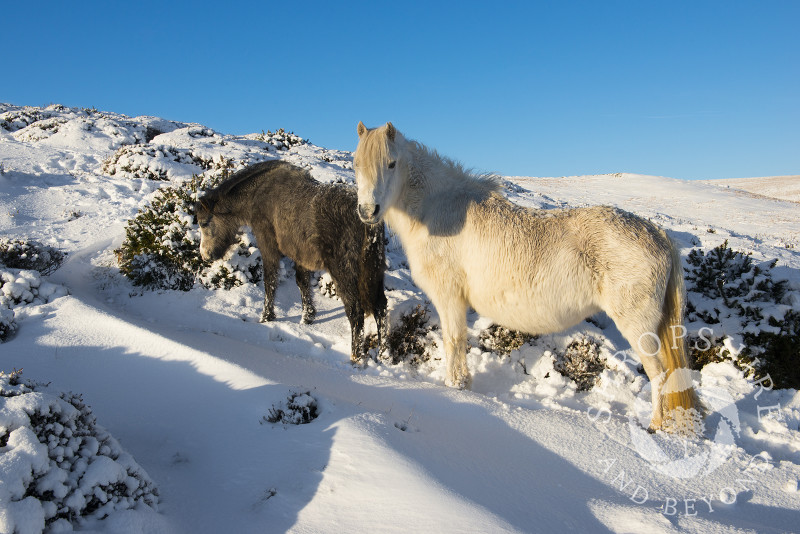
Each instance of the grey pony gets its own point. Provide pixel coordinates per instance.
(315, 225)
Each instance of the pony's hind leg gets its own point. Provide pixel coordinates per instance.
(652, 347)
(303, 279)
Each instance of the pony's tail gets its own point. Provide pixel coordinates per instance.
(679, 398)
(372, 266)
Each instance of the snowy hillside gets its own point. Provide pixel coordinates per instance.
(186, 382)
(780, 187)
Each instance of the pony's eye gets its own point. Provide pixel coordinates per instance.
(392, 164)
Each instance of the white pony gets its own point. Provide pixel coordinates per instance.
(538, 271)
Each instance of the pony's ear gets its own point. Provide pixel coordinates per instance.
(361, 129)
(207, 203)
(390, 131)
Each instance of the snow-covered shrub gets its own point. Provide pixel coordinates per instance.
(241, 266)
(42, 129)
(726, 286)
(37, 124)
(581, 361)
(162, 245)
(409, 340)
(7, 324)
(18, 254)
(193, 150)
(733, 283)
(19, 118)
(157, 162)
(502, 341)
(298, 409)
(60, 468)
(775, 354)
(20, 288)
(281, 139)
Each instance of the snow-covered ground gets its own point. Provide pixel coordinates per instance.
(184, 380)
(780, 187)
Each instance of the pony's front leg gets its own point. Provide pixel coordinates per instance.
(269, 264)
(355, 315)
(453, 316)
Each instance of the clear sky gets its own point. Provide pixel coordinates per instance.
(685, 89)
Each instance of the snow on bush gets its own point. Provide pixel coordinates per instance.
(15, 118)
(409, 340)
(20, 283)
(502, 341)
(581, 362)
(298, 409)
(746, 314)
(281, 139)
(21, 288)
(162, 245)
(18, 254)
(7, 324)
(110, 130)
(58, 467)
(152, 162)
(195, 150)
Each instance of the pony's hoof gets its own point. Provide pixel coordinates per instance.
(464, 382)
(267, 317)
(308, 318)
(358, 362)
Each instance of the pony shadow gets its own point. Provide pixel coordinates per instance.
(525, 494)
(540, 490)
(208, 450)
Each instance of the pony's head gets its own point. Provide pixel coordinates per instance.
(377, 164)
(217, 232)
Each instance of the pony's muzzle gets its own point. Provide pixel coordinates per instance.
(204, 253)
(368, 213)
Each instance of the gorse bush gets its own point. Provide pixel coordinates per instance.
(775, 354)
(18, 254)
(503, 341)
(581, 362)
(739, 286)
(162, 245)
(160, 250)
(23, 287)
(281, 139)
(299, 409)
(148, 161)
(8, 324)
(59, 467)
(408, 341)
(726, 285)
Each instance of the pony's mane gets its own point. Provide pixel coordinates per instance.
(242, 176)
(489, 182)
(373, 152)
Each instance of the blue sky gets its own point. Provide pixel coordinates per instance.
(686, 89)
